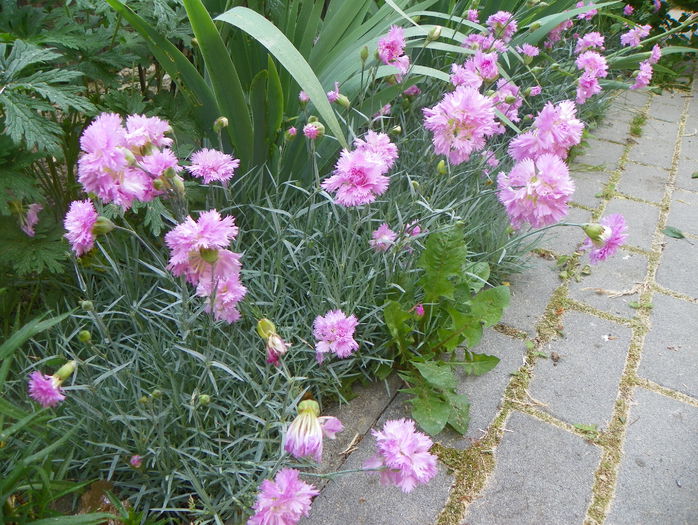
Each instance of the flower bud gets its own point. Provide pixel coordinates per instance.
(219, 124)
(434, 34)
(290, 133)
(276, 347)
(489, 92)
(84, 336)
(178, 184)
(309, 406)
(265, 328)
(129, 156)
(510, 99)
(65, 371)
(364, 54)
(343, 101)
(204, 399)
(597, 233)
(156, 393)
(396, 130)
(415, 185)
(194, 42)
(136, 461)
(441, 167)
(87, 306)
(536, 69)
(159, 184)
(210, 255)
(102, 226)
(534, 26)
(143, 399)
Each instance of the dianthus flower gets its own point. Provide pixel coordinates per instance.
(283, 501)
(605, 238)
(195, 245)
(391, 49)
(655, 55)
(460, 76)
(142, 130)
(335, 333)
(528, 50)
(333, 95)
(412, 91)
(136, 461)
(485, 43)
(304, 435)
(473, 16)
(418, 310)
(378, 144)
(593, 63)
(536, 192)
(223, 287)
(311, 131)
(502, 25)
(46, 390)
(382, 238)
(632, 38)
(628, 10)
(589, 14)
(404, 455)
(555, 34)
(534, 91)
(594, 40)
(303, 97)
(31, 219)
(507, 100)
(212, 165)
(657, 5)
(644, 75)
(587, 86)
(158, 163)
(80, 222)
(461, 123)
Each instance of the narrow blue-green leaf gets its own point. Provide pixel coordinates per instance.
(278, 45)
(275, 101)
(401, 12)
(386, 71)
(28, 331)
(94, 518)
(446, 16)
(258, 95)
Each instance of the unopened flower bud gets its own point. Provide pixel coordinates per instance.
(178, 184)
(415, 185)
(310, 406)
(441, 167)
(489, 92)
(159, 184)
(204, 399)
(102, 226)
(87, 306)
(219, 124)
(396, 130)
(364, 54)
(290, 133)
(66, 370)
(534, 26)
(194, 42)
(129, 156)
(343, 101)
(136, 461)
(143, 399)
(536, 69)
(84, 336)
(156, 393)
(170, 172)
(510, 99)
(597, 233)
(210, 255)
(555, 66)
(265, 328)
(434, 34)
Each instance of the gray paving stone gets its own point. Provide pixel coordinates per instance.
(640, 218)
(677, 267)
(656, 146)
(687, 167)
(543, 475)
(621, 273)
(530, 293)
(589, 184)
(643, 182)
(565, 239)
(658, 475)
(683, 213)
(670, 352)
(582, 386)
(689, 141)
(359, 498)
(600, 153)
(485, 392)
(668, 106)
(612, 129)
(633, 99)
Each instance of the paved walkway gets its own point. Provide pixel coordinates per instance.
(592, 414)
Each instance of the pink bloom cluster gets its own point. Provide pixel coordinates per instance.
(359, 175)
(404, 455)
(473, 16)
(484, 43)
(644, 74)
(632, 38)
(537, 191)
(80, 221)
(391, 50)
(477, 69)
(461, 122)
(45, 390)
(556, 34)
(613, 236)
(304, 435)
(628, 10)
(589, 14)
(555, 130)
(593, 40)
(595, 67)
(502, 25)
(382, 238)
(212, 165)
(528, 50)
(507, 100)
(283, 501)
(334, 333)
(199, 253)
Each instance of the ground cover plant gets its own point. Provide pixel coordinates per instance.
(345, 201)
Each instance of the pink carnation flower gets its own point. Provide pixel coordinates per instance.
(655, 55)
(136, 461)
(303, 97)
(644, 75)
(382, 238)
(606, 243)
(528, 50)
(311, 131)
(392, 45)
(593, 63)
(158, 162)
(283, 501)
(210, 234)
(335, 333)
(632, 38)
(333, 95)
(412, 91)
(535, 91)
(79, 221)
(472, 16)
(212, 165)
(502, 100)
(221, 283)
(628, 10)
(304, 435)
(358, 177)
(555, 34)
(142, 130)
(461, 123)
(502, 25)
(45, 390)
(419, 310)
(594, 40)
(404, 454)
(589, 14)
(587, 86)
(31, 219)
(378, 144)
(536, 192)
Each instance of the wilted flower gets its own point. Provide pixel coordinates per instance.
(276, 346)
(31, 219)
(212, 165)
(333, 95)
(283, 501)
(334, 333)
(534, 91)
(412, 91)
(605, 238)
(403, 455)
(304, 435)
(382, 238)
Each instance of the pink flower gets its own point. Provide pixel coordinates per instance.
(283, 501)
(392, 45)
(358, 178)
(655, 55)
(142, 130)
(605, 238)
(335, 333)
(412, 91)
(304, 435)
(484, 43)
(593, 63)
(80, 221)
(528, 50)
(221, 283)
(502, 25)
(419, 310)
(291, 131)
(589, 14)
(534, 91)
(404, 454)
(157, 163)
(589, 41)
(332, 96)
(644, 75)
(461, 123)
(276, 348)
(383, 238)
(382, 112)
(413, 229)
(556, 34)
(536, 192)
(31, 219)
(311, 130)
(212, 165)
(378, 144)
(587, 86)
(136, 461)
(507, 100)
(628, 10)
(632, 38)
(657, 5)
(196, 245)
(303, 97)
(472, 16)
(45, 390)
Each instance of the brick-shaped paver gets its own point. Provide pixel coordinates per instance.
(643, 182)
(684, 211)
(658, 475)
(612, 284)
(641, 219)
(580, 384)
(530, 293)
(670, 354)
(613, 130)
(677, 267)
(656, 145)
(668, 107)
(359, 498)
(603, 154)
(485, 392)
(684, 175)
(588, 187)
(566, 239)
(543, 475)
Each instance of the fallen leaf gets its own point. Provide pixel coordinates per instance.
(674, 233)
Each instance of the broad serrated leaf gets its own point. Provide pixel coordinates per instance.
(24, 124)
(396, 320)
(23, 55)
(438, 376)
(477, 274)
(443, 258)
(488, 305)
(460, 412)
(478, 364)
(674, 233)
(431, 413)
(63, 97)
